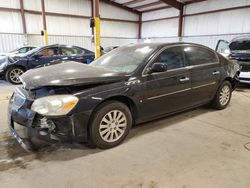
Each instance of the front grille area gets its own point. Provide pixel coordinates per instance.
(245, 67)
(245, 79)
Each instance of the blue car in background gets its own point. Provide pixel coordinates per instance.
(13, 67)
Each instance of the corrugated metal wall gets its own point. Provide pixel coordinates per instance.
(65, 30)
(84, 41)
(205, 29)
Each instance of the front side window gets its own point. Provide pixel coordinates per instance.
(49, 52)
(173, 57)
(198, 56)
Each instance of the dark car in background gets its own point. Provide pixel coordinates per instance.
(15, 66)
(239, 50)
(98, 103)
(18, 51)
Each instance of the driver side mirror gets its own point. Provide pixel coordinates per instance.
(158, 67)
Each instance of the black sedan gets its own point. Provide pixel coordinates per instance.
(98, 103)
(14, 67)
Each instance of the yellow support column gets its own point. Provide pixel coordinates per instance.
(45, 35)
(97, 37)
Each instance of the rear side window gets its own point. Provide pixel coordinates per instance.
(173, 57)
(198, 56)
(71, 51)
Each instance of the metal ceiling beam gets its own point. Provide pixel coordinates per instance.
(132, 2)
(148, 5)
(121, 6)
(173, 3)
(193, 1)
(159, 8)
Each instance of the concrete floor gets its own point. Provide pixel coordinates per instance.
(199, 148)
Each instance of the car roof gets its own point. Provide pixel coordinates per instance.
(241, 38)
(161, 44)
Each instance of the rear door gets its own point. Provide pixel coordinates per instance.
(205, 72)
(76, 54)
(169, 91)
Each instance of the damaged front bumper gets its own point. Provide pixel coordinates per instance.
(23, 142)
(49, 129)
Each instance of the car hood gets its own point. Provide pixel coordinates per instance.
(5, 54)
(69, 73)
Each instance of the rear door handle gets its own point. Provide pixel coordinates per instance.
(184, 79)
(216, 72)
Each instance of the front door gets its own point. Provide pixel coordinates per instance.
(45, 56)
(166, 92)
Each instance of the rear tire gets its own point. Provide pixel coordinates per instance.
(110, 124)
(223, 96)
(13, 73)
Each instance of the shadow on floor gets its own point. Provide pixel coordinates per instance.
(13, 156)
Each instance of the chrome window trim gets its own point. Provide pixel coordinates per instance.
(163, 95)
(204, 47)
(204, 85)
(180, 91)
(187, 66)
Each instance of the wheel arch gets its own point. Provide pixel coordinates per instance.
(120, 98)
(233, 81)
(18, 66)
(127, 101)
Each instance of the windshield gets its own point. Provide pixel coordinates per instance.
(31, 51)
(124, 59)
(240, 45)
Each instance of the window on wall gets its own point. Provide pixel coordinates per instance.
(198, 56)
(173, 57)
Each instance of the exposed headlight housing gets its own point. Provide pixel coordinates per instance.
(55, 105)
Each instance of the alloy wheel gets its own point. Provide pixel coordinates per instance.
(113, 125)
(15, 74)
(224, 95)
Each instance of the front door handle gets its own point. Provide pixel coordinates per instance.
(216, 72)
(184, 79)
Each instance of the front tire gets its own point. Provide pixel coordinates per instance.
(110, 124)
(13, 73)
(223, 96)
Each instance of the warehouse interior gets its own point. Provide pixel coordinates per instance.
(198, 147)
(123, 22)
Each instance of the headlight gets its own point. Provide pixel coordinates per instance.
(54, 105)
(3, 64)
